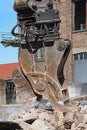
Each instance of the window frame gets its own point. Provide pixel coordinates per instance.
(10, 87)
(73, 17)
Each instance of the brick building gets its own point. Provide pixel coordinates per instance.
(73, 15)
(7, 87)
(9, 93)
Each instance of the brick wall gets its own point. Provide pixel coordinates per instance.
(2, 92)
(79, 39)
(65, 11)
(23, 94)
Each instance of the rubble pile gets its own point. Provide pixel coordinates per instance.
(37, 118)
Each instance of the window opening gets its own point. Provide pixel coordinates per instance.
(76, 57)
(80, 69)
(81, 56)
(10, 93)
(79, 14)
(85, 55)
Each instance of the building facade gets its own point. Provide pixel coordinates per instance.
(7, 87)
(73, 15)
(9, 92)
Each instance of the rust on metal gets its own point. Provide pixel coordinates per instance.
(42, 53)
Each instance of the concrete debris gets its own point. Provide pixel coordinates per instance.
(42, 119)
(41, 125)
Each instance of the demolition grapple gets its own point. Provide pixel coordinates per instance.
(42, 53)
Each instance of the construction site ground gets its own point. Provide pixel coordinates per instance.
(37, 117)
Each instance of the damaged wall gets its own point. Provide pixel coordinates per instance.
(2, 92)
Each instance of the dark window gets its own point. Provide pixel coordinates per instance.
(79, 14)
(76, 57)
(81, 56)
(85, 55)
(10, 93)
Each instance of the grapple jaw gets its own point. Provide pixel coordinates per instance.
(42, 53)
